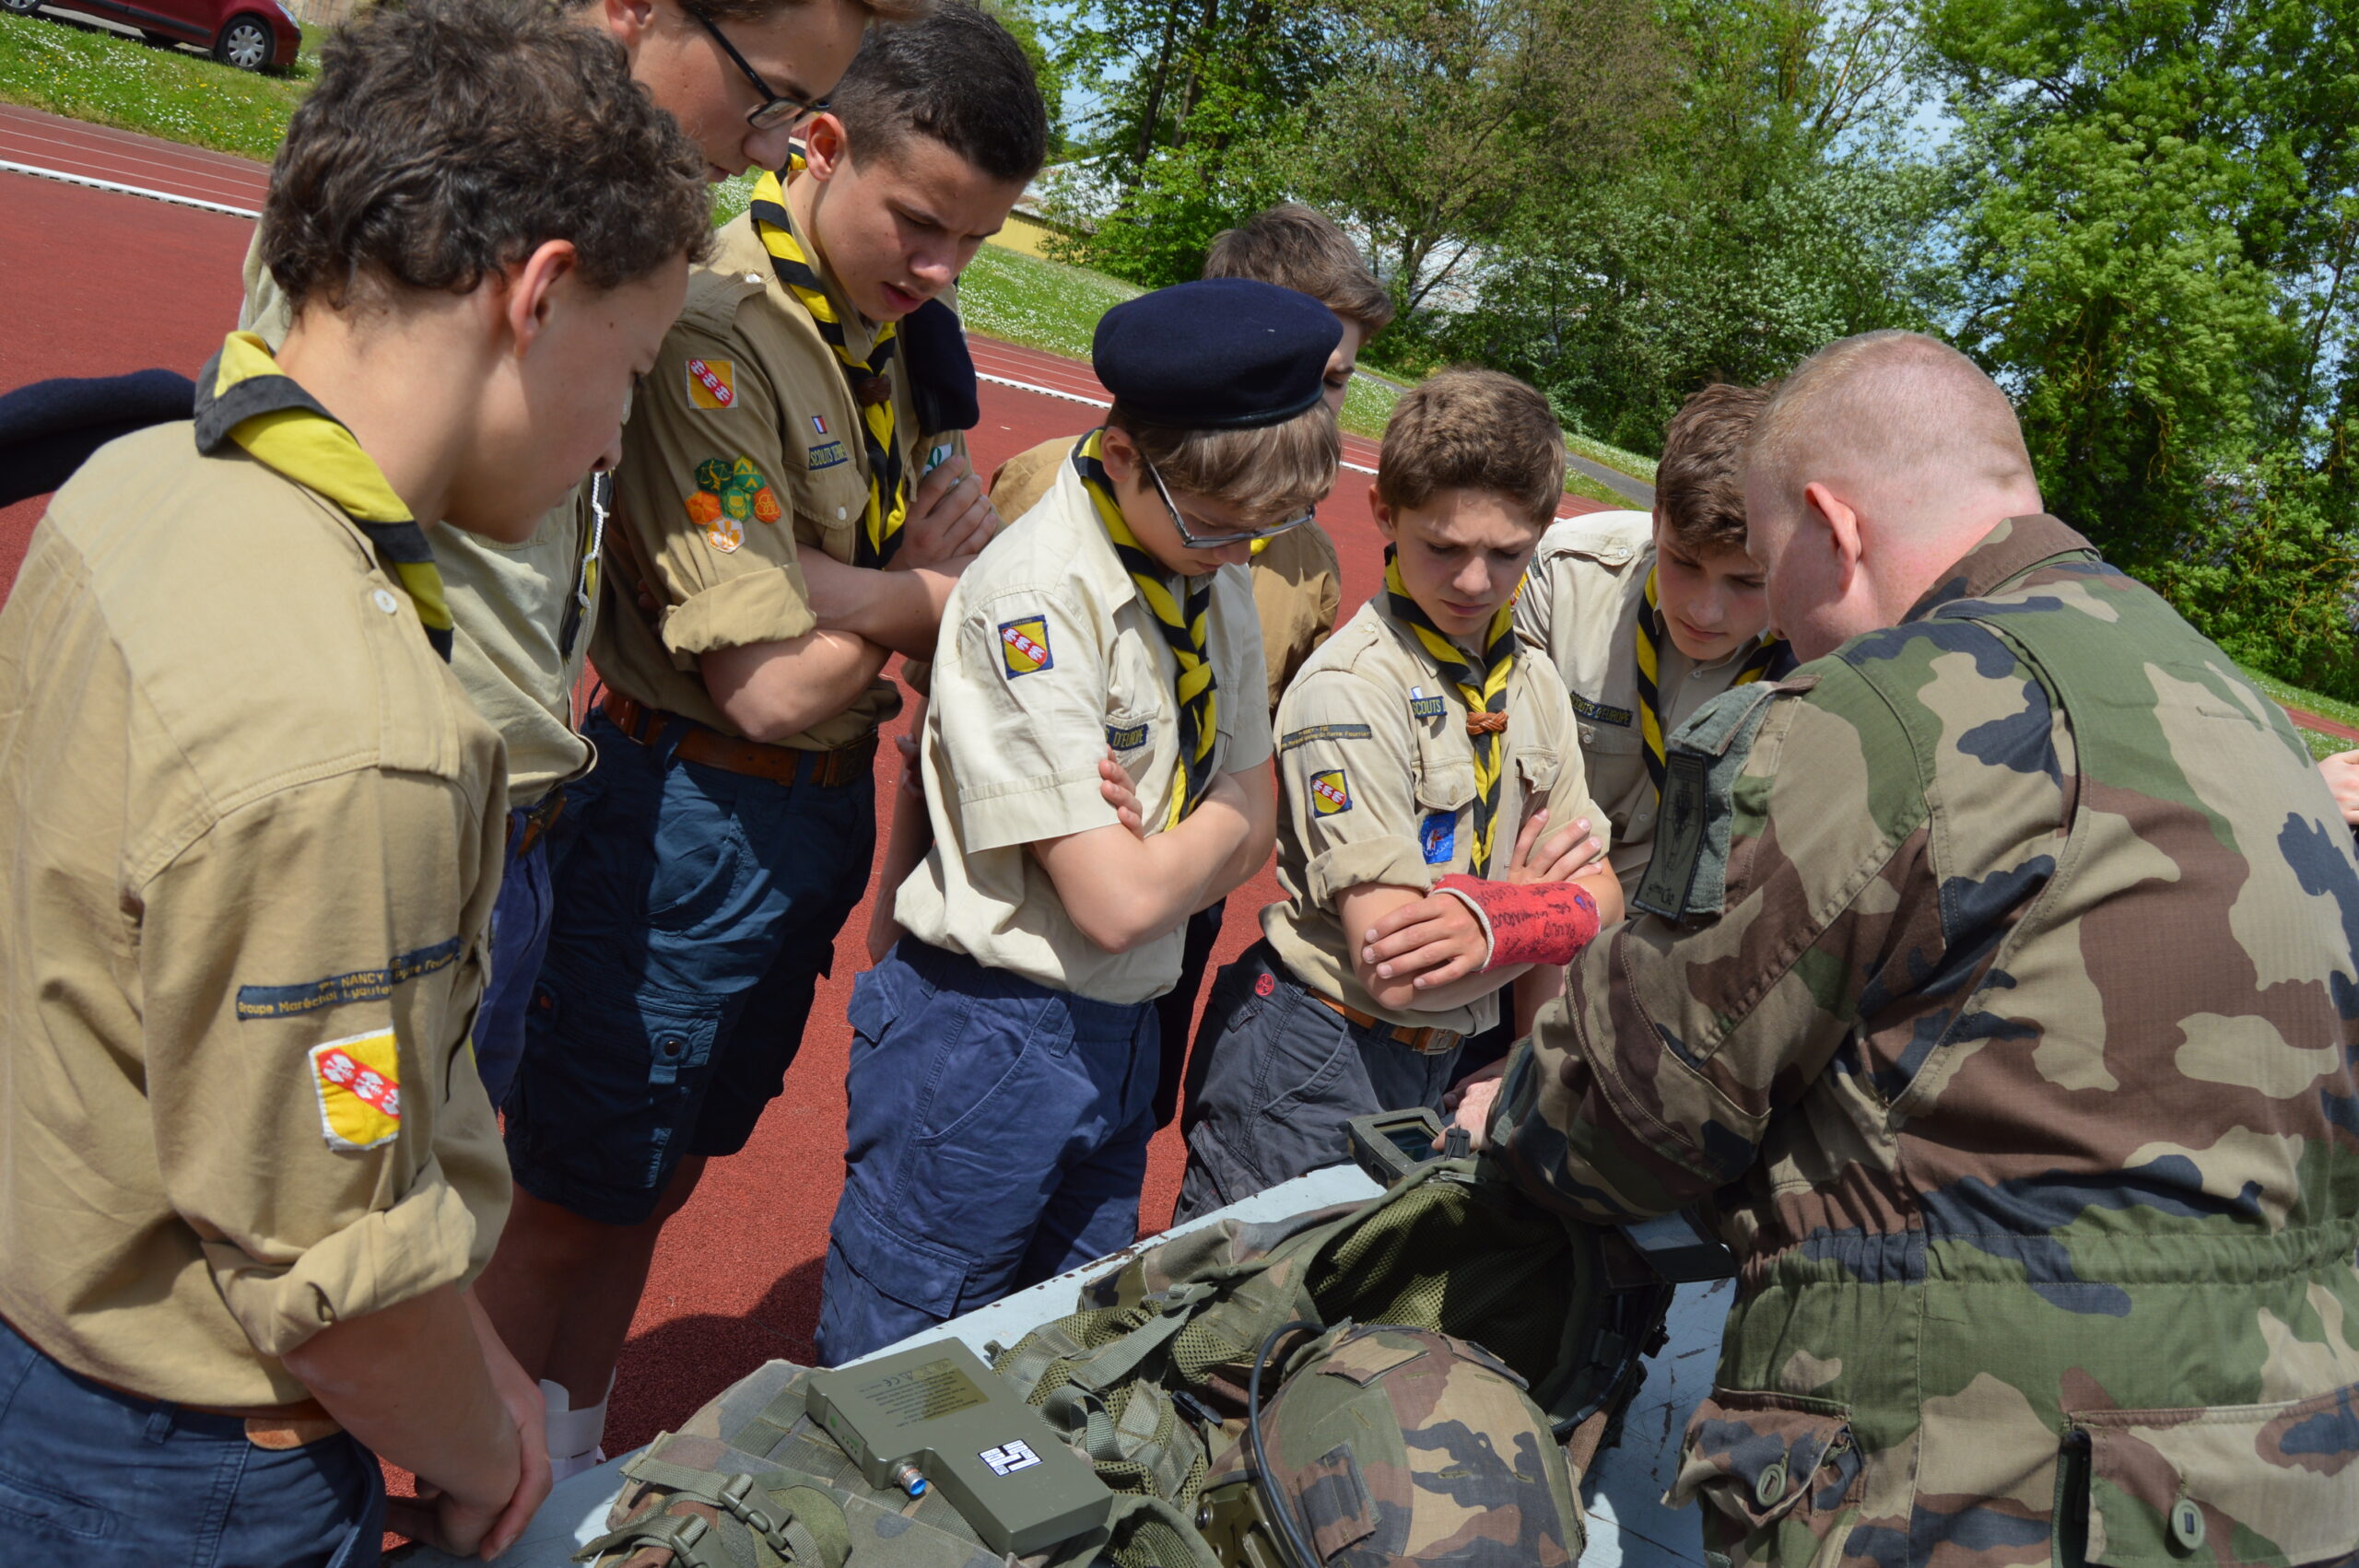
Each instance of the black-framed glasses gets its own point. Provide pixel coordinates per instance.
(776, 108)
(1215, 541)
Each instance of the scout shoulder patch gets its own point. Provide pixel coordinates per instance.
(1330, 794)
(1438, 836)
(1024, 646)
(711, 384)
(728, 495)
(1315, 732)
(1128, 738)
(358, 1080)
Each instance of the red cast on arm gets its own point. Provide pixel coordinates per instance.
(1530, 923)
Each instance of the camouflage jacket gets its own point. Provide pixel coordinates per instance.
(2014, 1055)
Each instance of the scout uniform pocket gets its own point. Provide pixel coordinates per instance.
(1764, 1466)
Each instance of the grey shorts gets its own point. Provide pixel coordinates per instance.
(1274, 1076)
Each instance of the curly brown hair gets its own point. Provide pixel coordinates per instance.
(447, 139)
(1471, 429)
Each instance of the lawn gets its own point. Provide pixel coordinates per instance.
(110, 79)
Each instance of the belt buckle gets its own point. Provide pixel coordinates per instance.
(1434, 1041)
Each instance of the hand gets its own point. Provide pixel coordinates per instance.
(1121, 792)
(1490, 1074)
(442, 1522)
(519, 1396)
(2341, 774)
(1475, 1098)
(1558, 858)
(1438, 939)
(951, 516)
(912, 788)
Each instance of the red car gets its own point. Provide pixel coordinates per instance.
(252, 35)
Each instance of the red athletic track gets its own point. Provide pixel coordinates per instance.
(110, 283)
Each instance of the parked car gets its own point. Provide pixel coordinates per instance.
(252, 35)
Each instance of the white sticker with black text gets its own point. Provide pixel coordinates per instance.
(1008, 1458)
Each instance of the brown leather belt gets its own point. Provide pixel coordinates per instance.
(702, 743)
(1431, 1040)
(539, 819)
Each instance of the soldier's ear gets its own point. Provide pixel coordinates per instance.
(1824, 508)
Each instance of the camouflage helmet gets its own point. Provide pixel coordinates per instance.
(1394, 1447)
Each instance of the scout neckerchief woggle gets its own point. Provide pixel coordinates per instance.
(1184, 630)
(243, 397)
(1757, 664)
(1484, 691)
(871, 393)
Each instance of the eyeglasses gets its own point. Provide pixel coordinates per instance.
(1217, 541)
(776, 108)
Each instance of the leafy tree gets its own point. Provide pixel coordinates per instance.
(1018, 17)
(2156, 258)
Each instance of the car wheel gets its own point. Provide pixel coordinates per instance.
(245, 43)
(21, 7)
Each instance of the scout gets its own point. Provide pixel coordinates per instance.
(2009, 1029)
(1003, 1060)
(1647, 618)
(247, 1170)
(776, 509)
(1297, 584)
(737, 75)
(1411, 750)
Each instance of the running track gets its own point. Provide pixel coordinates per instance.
(103, 282)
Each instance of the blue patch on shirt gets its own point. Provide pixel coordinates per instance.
(1428, 706)
(1129, 739)
(826, 454)
(1598, 713)
(1438, 838)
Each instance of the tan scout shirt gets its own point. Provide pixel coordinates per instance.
(1047, 657)
(1581, 606)
(1298, 581)
(745, 396)
(1372, 794)
(254, 836)
(509, 607)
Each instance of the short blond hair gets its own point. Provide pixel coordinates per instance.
(1269, 473)
(1884, 404)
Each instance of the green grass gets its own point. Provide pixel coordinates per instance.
(1612, 457)
(2324, 707)
(110, 79)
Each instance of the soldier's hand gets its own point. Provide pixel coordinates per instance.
(951, 516)
(1436, 939)
(1475, 1097)
(1121, 792)
(1560, 856)
(2341, 774)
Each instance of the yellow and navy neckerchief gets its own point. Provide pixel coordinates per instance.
(871, 393)
(1484, 691)
(243, 397)
(1183, 631)
(1757, 664)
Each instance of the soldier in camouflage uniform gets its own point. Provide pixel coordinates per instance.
(2000, 996)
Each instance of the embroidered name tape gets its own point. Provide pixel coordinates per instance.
(827, 454)
(1323, 732)
(1598, 713)
(1330, 794)
(1024, 646)
(358, 1081)
(1428, 706)
(712, 384)
(340, 990)
(1129, 738)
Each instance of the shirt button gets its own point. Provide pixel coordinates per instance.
(1769, 1486)
(384, 600)
(2186, 1524)
(839, 514)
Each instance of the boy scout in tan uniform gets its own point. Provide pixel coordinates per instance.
(1404, 756)
(247, 1169)
(1005, 1063)
(777, 538)
(1630, 665)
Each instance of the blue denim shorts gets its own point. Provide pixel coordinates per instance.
(997, 1134)
(695, 911)
(89, 1474)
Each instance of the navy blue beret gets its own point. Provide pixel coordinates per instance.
(1220, 354)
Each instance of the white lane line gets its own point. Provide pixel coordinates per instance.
(39, 172)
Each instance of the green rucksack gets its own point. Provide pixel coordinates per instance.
(1153, 1379)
